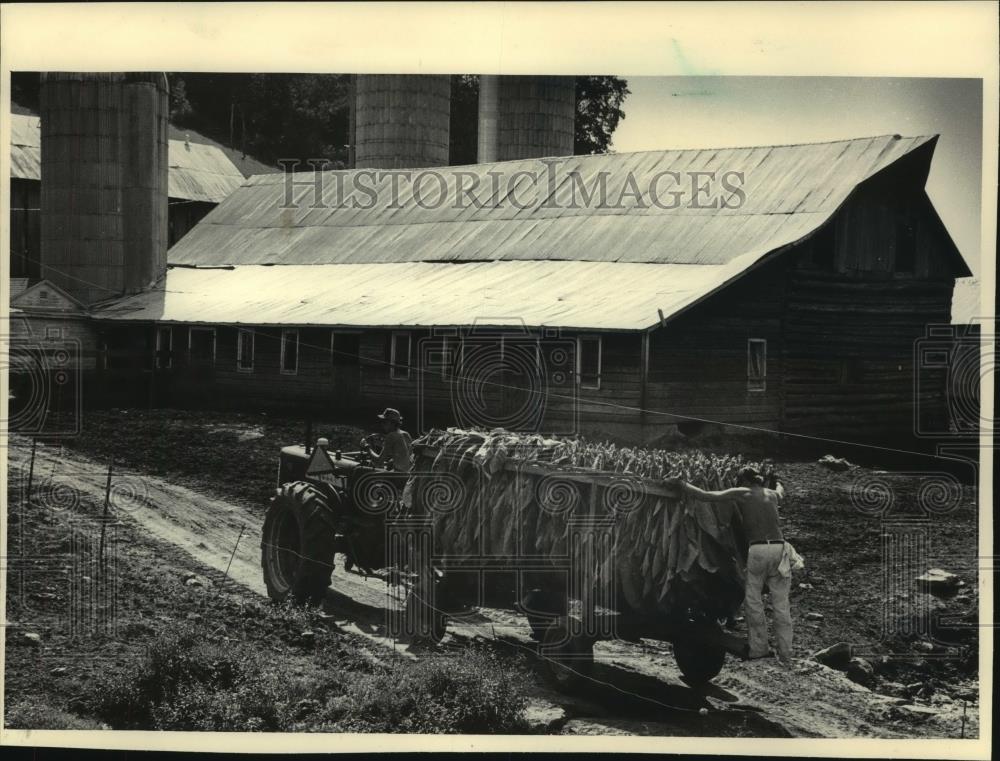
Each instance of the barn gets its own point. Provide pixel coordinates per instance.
(780, 288)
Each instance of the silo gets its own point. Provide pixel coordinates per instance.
(401, 120)
(533, 117)
(104, 182)
(489, 118)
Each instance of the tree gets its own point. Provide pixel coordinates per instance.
(598, 111)
(269, 116)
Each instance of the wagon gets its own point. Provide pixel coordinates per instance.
(582, 554)
(554, 556)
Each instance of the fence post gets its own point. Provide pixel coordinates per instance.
(31, 469)
(225, 576)
(104, 515)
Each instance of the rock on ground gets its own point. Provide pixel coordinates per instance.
(939, 582)
(860, 671)
(836, 656)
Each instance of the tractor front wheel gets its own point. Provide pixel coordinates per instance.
(297, 546)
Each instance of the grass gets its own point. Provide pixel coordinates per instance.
(32, 714)
(186, 683)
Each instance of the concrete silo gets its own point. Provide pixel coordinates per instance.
(400, 120)
(522, 117)
(104, 182)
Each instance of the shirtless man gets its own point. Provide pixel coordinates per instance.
(396, 455)
(396, 443)
(758, 507)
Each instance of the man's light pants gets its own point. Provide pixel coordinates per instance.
(764, 566)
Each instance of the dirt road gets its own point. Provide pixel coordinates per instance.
(632, 684)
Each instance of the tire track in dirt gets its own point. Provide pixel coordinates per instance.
(809, 700)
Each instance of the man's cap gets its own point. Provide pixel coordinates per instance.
(391, 414)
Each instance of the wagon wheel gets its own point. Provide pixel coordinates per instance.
(699, 658)
(567, 655)
(542, 608)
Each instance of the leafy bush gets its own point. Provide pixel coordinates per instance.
(32, 715)
(468, 692)
(185, 683)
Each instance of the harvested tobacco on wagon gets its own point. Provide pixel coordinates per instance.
(509, 496)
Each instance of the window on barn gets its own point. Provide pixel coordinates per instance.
(756, 364)
(289, 352)
(399, 356)
(164, 347)
(244, 350)
(588, 361)
(201, 345)
(906, 245)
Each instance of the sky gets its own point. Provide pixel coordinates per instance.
(718, 112)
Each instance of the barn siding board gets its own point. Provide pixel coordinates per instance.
(850, 333)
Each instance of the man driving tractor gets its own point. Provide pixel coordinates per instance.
(396, 455)
(396, 451)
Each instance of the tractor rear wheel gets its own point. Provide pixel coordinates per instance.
(297, 546)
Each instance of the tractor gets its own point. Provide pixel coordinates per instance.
(326, 502)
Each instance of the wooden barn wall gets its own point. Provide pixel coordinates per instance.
(50, 372)
(698, 362)
(471, 393)
(432, 395)
(850, 330)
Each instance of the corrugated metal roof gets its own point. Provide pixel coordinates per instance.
(545, 264)
(25, 154)
(198, 172)
(247, 165)
(789, 191)
(586, 295)
(201, 172)
(965, 301)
